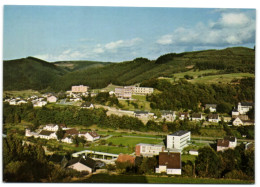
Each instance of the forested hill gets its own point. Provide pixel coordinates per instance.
(36, 74)
(29, 73)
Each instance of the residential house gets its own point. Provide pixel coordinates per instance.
(12, 102)
(213, 118)
(183, 115)
(211, 107)
(169, 163)
(89, 136)
(148, 150)
(29, 133)
(239, 122)
(168, 115)
(44, 134)
(196, 117)
(244, 107)
(143, 115)
(52, 99)
(67, 138)
(178, 140)
(39, 103)
(79, 89)
(72, 132)
(21, 102)
(226, 143)
(51, 127)
(82, 164)
(87, 105)
(235, 113)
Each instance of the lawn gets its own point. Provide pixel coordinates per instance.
(132, 141)
(106, 178)
(111, 149)
(21, 93)
(185, 158)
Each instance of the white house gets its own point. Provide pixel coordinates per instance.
(169, 163)
(90, 136)
(67, 139)
(148, 150)
(196, 117)
(12, 102)
(47, 134)
(178, 140)
(39, 103)
(239, 122)
(82, 164)
(226, 143)
(244, 107)
(183, 115)
(211, 107)
(168, 115)
(52, 99)
(194, 152)
(51, 127)
(213, 118)
(87, 105)
(21, 102)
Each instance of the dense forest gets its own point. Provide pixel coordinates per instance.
(185, 95)
(32, 73)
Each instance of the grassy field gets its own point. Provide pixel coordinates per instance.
(132, 141)
(198, 76)
(112, 149)
(22, 93)
(139, 101)
(106, 178)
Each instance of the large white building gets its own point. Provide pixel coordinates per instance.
(79, 89)
(123, 93)
(178, 140)
(148, 149)
(142, 90)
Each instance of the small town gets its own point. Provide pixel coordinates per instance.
(129, 94)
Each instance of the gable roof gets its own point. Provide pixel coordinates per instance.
(126, 158)
(46, 133)
(196, 115)
(171, 160)
(213, 116)
(247, 104)
(85, 161)
(141, 112)
(72, 132)
(223, 143)
(210, 105)
(93, 134)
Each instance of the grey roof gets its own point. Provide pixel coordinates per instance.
(164, 112)
(213, 116)
(247, 104)
(179, 133)
(85, 161)
(86, 104)
(196, 115)
(210, 105)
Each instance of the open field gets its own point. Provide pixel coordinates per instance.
(106, 178)
(21, 93)
(201, 77)
(132, 141)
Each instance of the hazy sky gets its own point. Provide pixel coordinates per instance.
(116, 34)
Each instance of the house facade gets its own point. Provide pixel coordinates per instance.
(123, 93)
(213, 118)
(79, 89)
(178, 140)
(82, 164)
(142, 90)
(211, 107)
(244, 107)
(148, 150)
(168, 115)
(169, 163)
(228, 142)
(44, 134)
(196, 117)
(52, 99)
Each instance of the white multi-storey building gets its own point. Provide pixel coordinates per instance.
(178, 140)
(142, 90)
(123, 93)
(79, 89)
(148, 149)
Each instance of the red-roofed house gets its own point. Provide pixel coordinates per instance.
(169, 163)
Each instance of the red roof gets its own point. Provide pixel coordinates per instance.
(72, 132)
(171, 160)
(93, 134)
(126, 158)
(223, 143)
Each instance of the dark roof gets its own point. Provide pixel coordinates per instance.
(230, 138)
(46, 133)
(60, 159)
(51, 125)
(93, 134)
(196, 115)
(72, 132)
(171, 160)
(210, 105)
(183, 113)
(247, 104)
(62, 125)
(223, 143)
(85, 161)
(213, 116)
(179, 133)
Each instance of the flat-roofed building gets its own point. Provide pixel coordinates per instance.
(178, 140)
(79, 89)
(123, 93)
(142, 90)
(148, 150)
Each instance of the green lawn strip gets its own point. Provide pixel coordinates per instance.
(132, 141)
(185, 158)
(21, 93)
(106, 178)
(111, 149)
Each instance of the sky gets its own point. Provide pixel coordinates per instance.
(116, 34)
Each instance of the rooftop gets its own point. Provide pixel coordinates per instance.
(179, 133)
(171, 160)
